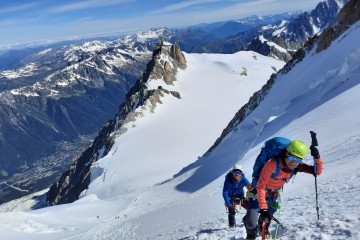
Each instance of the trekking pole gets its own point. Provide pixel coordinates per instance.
(314, 143)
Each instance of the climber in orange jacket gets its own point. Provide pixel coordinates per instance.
(269, 186)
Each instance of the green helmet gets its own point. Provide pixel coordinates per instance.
(297, 148)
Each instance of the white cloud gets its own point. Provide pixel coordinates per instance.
(18, 8)
(87, 4)
(185, 4)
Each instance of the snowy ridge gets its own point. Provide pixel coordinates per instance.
(225, 68)
(151, 35)
(156, 86)
(88, 47)
(112, 54)
(25, 71)
(290, 34)
(44, 51)
(271, 44)
(58, 83)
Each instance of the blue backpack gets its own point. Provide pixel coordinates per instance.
(273, 148)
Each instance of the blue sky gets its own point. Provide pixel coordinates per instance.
(25, 21)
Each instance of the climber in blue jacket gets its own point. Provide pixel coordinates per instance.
(233, 192)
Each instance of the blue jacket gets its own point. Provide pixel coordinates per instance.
(233, 189)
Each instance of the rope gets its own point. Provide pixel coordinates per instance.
(277, 225)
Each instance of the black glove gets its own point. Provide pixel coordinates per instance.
(264, 213)
(314, 152)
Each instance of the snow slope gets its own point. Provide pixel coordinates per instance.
(161, 144)
(158, 145)
(321, 93)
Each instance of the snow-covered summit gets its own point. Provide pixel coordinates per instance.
(150, 36)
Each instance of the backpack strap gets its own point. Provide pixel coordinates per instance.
(277, 171)
(234, 185)
(277, 168)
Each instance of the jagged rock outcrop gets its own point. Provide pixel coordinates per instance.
(266, 49)
(166, 60)
(175, 53)
(348, 15)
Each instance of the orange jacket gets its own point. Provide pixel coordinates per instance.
(266, 182)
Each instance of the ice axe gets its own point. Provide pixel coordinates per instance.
(314, 143)
(265, 223)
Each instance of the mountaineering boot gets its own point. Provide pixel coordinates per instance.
(231, 221)
(231, 224)
(231, 217)
(250, 237)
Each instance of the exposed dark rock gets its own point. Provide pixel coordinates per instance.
(265, 49)
(175, 53)
(348, 15)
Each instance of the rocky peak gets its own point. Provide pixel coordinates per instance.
(143, 96)
(149, 90)
(347, 16)
(175, 53)
(165, 61)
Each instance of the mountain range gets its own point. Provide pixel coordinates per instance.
(55, 99)
(280, 39)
